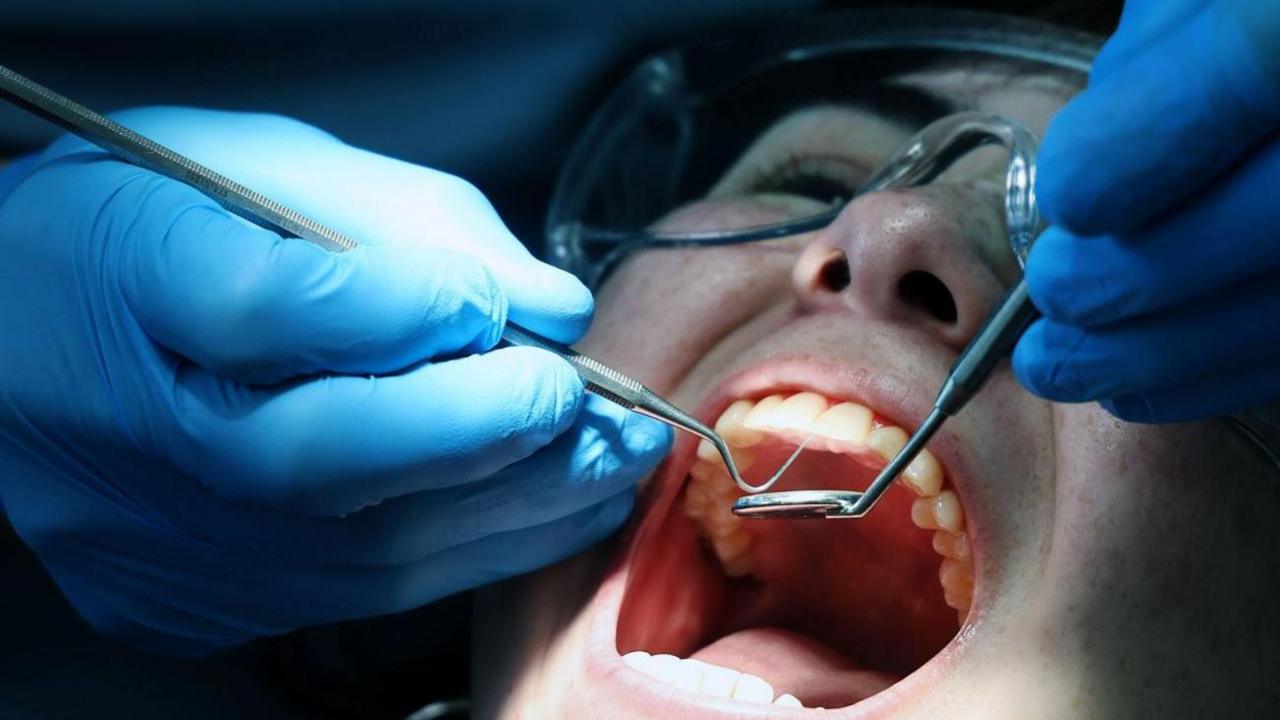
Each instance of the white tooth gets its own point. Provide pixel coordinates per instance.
(731, 543)
(665, 668)
(788, 700)
(887, 441)
(798, 411)
(709, 473)
(708, 453)
(847, 422)
(955, 573)
(956, 577)
(947, 511)
(952, 545)
(922, 514)
(730, 426)
(761, 416)
(691, 672)
(753, 689)
(638, 660)
(718, 681)
(700, 493)
(924, 474)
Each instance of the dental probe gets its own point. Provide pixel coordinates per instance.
(632, 395)
(995, 340)
(261, 210)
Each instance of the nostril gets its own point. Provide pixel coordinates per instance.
(834, 274)
(925, 291)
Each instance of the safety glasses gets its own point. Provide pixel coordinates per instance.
(680, 120)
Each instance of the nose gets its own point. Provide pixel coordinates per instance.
(935, 257)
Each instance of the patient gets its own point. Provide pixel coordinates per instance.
(1041, 560)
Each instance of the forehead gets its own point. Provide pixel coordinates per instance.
(880, 96)
(1027, 92)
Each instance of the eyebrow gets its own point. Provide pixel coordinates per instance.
(912, 107)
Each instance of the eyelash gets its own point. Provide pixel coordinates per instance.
(809, 177)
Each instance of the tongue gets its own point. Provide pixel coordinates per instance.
(793, 663)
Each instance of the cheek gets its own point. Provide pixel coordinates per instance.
(662, 310)
(977, 209)
(1159, 537)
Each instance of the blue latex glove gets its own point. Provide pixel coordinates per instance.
(1160, 278)
(209, 434)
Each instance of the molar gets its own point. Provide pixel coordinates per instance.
(952, 545)
(956, 577)
(941, 512)
(922, 514)
(731, 544)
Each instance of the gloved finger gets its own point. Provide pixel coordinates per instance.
(221, 613)
(394, 204)
(605, 452)
(334, 445)
(1072, 364)
(247, 305)
(1142, 23)
(1222, 239)
(15, 172)
(365, 592)
(1142, 138)
(1221, 393)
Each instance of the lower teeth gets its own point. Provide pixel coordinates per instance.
(707, 679)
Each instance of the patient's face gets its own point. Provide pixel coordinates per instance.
(1041, 561)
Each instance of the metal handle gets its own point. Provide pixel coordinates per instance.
(992, 343)
(134, 148)
(596, 376)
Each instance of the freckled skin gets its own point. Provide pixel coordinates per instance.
(1127, 570)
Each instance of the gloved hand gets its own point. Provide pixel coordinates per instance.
(1160, 278)
(209, 434)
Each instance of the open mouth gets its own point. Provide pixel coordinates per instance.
(797, 613)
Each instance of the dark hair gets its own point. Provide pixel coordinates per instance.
(1098, 17)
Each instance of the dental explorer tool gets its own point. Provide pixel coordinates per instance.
(265, 212)
(975, 364)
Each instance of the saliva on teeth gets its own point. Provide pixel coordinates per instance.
(703, 677)
(836, 427)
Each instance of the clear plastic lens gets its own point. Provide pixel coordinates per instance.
(662, 162)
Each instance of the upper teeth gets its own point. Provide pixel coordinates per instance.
(837, 427)
(708, 679)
